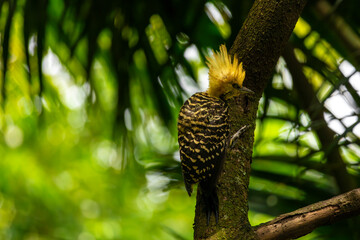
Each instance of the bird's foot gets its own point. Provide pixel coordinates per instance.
(236, 136)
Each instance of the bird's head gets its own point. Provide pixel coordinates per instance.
(226, 75)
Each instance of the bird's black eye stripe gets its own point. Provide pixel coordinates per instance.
(236, 86)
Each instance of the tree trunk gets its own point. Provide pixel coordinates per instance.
(258, 45)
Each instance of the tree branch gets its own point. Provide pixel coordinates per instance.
(342, 29)
(315, 109)
(305, 220)
(262, 38)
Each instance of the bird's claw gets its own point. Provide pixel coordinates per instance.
(236, 136)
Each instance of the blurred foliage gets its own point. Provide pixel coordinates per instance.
(90, 92)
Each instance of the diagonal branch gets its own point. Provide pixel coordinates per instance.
(326, 136)
(305, 220)
(338, 24)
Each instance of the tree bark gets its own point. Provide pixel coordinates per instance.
(305, 220)
(258, 45)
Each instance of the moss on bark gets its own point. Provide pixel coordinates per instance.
(258, 45)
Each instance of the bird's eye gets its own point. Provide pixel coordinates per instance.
(236, 86)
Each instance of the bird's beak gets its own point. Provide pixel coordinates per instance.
(246, 90)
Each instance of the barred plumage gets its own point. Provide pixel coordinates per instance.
(203, 128)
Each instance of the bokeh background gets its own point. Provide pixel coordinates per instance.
(90, 92)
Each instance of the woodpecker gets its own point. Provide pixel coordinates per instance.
(203, 128)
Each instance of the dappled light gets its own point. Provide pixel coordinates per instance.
(90, 94)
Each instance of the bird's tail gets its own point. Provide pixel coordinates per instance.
(210, 201)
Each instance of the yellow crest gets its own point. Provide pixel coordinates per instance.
(223, 71)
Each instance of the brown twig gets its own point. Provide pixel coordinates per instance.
(305, 220)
